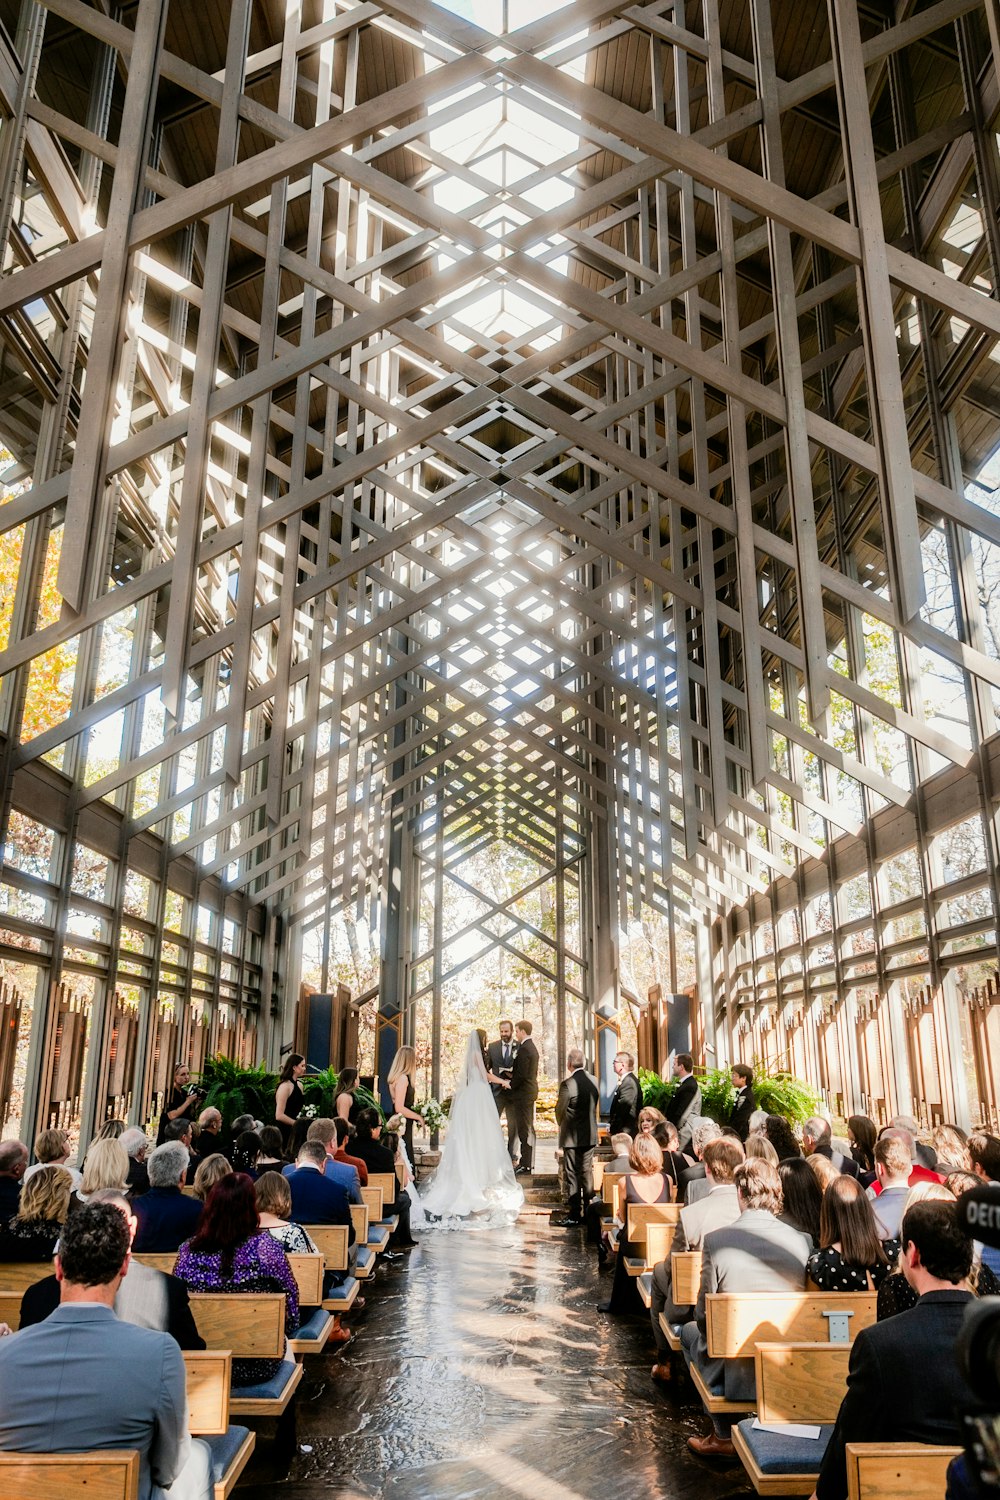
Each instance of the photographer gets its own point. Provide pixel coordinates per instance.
(184, 1100)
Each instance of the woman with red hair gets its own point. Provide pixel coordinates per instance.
(231, 1253)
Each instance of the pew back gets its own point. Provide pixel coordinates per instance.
(643, 1216)
(897, 1471)
(735, 1322)
(107, 1475)
(18, 1275)
(685, 1276)
(361, 1217)
(800, 1382)
(389, 1185)
(331, 1242)
(209, 1372)
(251, 1325)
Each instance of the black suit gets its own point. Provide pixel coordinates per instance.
(903, 1385)
(844, 1164)
(682, 1106)
(744, 1107)
(626, 1102)
(10, 1197)
(171, 1314)
(523, 1093)
(576, 1116)
(378, 1158)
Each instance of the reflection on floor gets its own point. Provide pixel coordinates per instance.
(484, 1372)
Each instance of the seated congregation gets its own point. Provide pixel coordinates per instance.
(810, 1292)
(170, 1293)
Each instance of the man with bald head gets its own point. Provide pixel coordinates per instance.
(13, 1161)
(576, 1116)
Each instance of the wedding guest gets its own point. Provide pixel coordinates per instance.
(13, 1162)
(817, 1138)
(649, 1118)
(181, 1132)
(822, 1169)
(691, 1184)
(271, 1158)
(647, 1183)
(207, 1138)
(782, 1137)
(341, 1153)
(245, 1153)
(923, 1157)
(757, 1123)
(345, 1106)
(33, 1231)
(719, 1208)
(576, 1116)
(52, 1149)
(893, 1169)
(854, 1255)
(231, 1253)
(117, 1386)
(166, 1216)
(316, 1198)
(377, 1159)
(904, 1384)
(288, 1100)
(105, 1165)
(895, 1293)
(325, 1132)
(145, 1298)
(862, 1135)
(210, 1171)
(137, 1146)
(759, 1148)
(951, 1147)
(674, 1163)
(111, 1130)
(801, 1197)
(274, 1209)
(755, 1254)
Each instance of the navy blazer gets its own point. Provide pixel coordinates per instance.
(167, 1217)
(316, 1199)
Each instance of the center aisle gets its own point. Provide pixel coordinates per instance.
(482, 1369)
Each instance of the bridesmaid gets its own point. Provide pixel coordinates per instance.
(345, 1105)
(402, 1093)
(289, 1099)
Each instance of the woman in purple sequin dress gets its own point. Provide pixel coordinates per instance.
(231, 1253)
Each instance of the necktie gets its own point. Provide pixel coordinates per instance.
(506, 1055)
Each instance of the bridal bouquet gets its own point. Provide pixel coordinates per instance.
(433, 1115)
(308, 1111)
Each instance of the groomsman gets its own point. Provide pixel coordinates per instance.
(626, 1101)
(523, 1093)
(576, 1116)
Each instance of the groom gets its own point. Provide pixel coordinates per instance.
(523, 1093)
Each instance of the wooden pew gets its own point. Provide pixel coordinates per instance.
(685, 1280)
(737, 1322)
(795, 1383)
(251, 1325)
(361, 1218)
(379, 1230)
(18, 1275)
(111, 1474)
(651, 1226)
(331, 1241)
(598, 1175)
(389, 1184)
(897, 1471)
(209, 1377)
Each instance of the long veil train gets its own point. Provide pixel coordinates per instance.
(475, 1176)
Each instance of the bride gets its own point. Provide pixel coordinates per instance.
(476, 1175)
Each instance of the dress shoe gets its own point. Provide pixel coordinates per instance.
(392, 1255)
(712, 1446)
(522, 1172)
(604, 1307)
(567, 1223)
(661, 1372)
(339, 1335)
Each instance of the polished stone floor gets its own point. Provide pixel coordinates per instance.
(482, 1371)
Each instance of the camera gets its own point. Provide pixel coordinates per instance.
(978, 1351)
(197, 1092)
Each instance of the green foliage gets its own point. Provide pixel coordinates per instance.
(368, 1101)
(319, 1089)
(234, 1089)
(778, 1093)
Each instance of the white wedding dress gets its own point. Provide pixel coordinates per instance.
(475, 1183)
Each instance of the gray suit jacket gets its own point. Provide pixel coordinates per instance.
(756, 1254)
(83, 1380)
(719, 1208)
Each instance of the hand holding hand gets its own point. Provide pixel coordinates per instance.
(505, 1084)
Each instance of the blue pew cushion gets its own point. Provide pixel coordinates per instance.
(345, 1288)
(775, 1453)
(268, 1390)
(224, 1449)
(314, 1326)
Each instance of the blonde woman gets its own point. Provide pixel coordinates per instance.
(104, 1166)
(209, 1172)
(402, 1093)
(34, 1229)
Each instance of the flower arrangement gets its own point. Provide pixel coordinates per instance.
(309, 1111)
(433, 1115)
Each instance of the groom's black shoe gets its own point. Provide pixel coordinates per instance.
(522, 1172)
(567, 1223)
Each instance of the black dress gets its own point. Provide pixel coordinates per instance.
(625, 1297)
(290, 1133)
(175, 1101)
(411, 1094)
